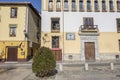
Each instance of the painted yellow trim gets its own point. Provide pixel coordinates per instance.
(107, 42)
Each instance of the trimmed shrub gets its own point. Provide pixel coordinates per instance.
(43, 62)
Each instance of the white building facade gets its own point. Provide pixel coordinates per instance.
(81, 30)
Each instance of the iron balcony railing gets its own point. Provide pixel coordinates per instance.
(88, 28)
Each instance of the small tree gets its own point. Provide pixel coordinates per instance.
(43, 62)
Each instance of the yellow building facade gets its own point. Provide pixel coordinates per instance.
(20, 31)
(81, 30)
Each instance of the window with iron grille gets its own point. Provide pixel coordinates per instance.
(103, 5)
(55, 42)
(13, 13)
(55, 24)
(96, 5)
(73, 5)
(119, 44)
(88, 5)
(50, 5)
(118, 5)
(81, 6)
(111, 7)
(65, 5)
(12, 30)
(58, 5)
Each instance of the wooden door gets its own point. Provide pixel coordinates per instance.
(89, 51)
(12, 54)
(57, 54)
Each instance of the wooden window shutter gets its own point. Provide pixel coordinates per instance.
(118, 25)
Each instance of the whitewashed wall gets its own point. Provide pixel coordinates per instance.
(106, 21)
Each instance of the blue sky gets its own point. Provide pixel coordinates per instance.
(36, 3)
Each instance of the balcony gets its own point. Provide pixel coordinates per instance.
(90, 29)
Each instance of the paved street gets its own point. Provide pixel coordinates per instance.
(78, 73)
(70, 72)
(15, 74)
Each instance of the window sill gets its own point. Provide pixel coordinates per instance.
(56, 49)
(12, 36)
(112, 11)
(89, 11)
(55, 31)
(81, 10)
(97, 11)
(118, 10)
(13, 17)
(104, 11)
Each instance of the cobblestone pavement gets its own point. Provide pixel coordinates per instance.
(69, 73)
(78, 73)
(15, 74)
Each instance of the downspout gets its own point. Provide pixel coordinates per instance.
(26, 22)
(63, 28)
(26, 30)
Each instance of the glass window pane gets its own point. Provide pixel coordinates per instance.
(103, 5)
(65, 5)
(118, 5)
(50, 5)
(13, 12)
(88, 5)
(81, 5)
(73, 5)
(55, 42)
(111, 5)
(12, 31)
(96, 5)
(55, 24)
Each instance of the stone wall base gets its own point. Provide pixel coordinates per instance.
(71, 57)
(102, 56)
(107, 56)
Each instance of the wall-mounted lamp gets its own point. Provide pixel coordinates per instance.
(25, 33)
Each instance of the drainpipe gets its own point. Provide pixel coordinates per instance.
(63, 29)
(26, 27)
(26, 22)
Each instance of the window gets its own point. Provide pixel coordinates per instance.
(0, 18)
(88, 22)
(118, 5)
(65, 5)
(73, 5)
(50, 5)
(119, 44)
(88, 5)
(12, 30)
(58, 5)
(96, 5)
(103, 5)
(118, 25)
(55, 23)
(55, 42)
(81, 6)
(13, 12)
(111, 5)
(70, 36)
